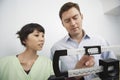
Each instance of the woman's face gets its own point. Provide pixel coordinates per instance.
(35, 40)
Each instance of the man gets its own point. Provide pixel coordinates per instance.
(71, 18)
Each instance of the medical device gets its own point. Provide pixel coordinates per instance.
(108, 69)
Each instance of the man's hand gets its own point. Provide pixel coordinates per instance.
(85, 61)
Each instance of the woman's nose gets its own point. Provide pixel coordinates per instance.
(41, 38)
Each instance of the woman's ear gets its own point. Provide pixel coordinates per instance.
(24, 42)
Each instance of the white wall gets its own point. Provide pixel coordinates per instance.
(16, 13)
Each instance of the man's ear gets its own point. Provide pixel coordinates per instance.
(62, 23)
(81, 16)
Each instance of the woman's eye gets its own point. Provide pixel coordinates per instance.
(36, 35)
(43, 36)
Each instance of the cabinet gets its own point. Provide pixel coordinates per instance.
(111, 7)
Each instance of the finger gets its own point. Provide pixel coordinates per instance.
(90, 63)
(87, 63)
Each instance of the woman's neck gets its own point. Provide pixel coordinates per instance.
(28, 55)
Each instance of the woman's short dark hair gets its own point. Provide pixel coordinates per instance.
(27, 29)
(68, 6)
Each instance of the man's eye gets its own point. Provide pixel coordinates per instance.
(67, 21)
(75, 17)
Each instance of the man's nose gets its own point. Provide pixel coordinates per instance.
(72, 22)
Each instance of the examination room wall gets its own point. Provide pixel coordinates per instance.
(16, 13)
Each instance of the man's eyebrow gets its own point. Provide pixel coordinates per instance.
(75, 15)
(72, 17)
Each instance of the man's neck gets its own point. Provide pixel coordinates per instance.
(78, 37)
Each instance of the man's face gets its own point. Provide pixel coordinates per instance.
(72, 21)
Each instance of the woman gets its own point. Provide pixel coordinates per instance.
(27, 65)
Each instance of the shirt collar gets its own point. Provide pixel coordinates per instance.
(86, 36)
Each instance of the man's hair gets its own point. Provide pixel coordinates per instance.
(68, 6)
(27, 29)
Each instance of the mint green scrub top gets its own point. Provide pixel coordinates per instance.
(11, 69)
